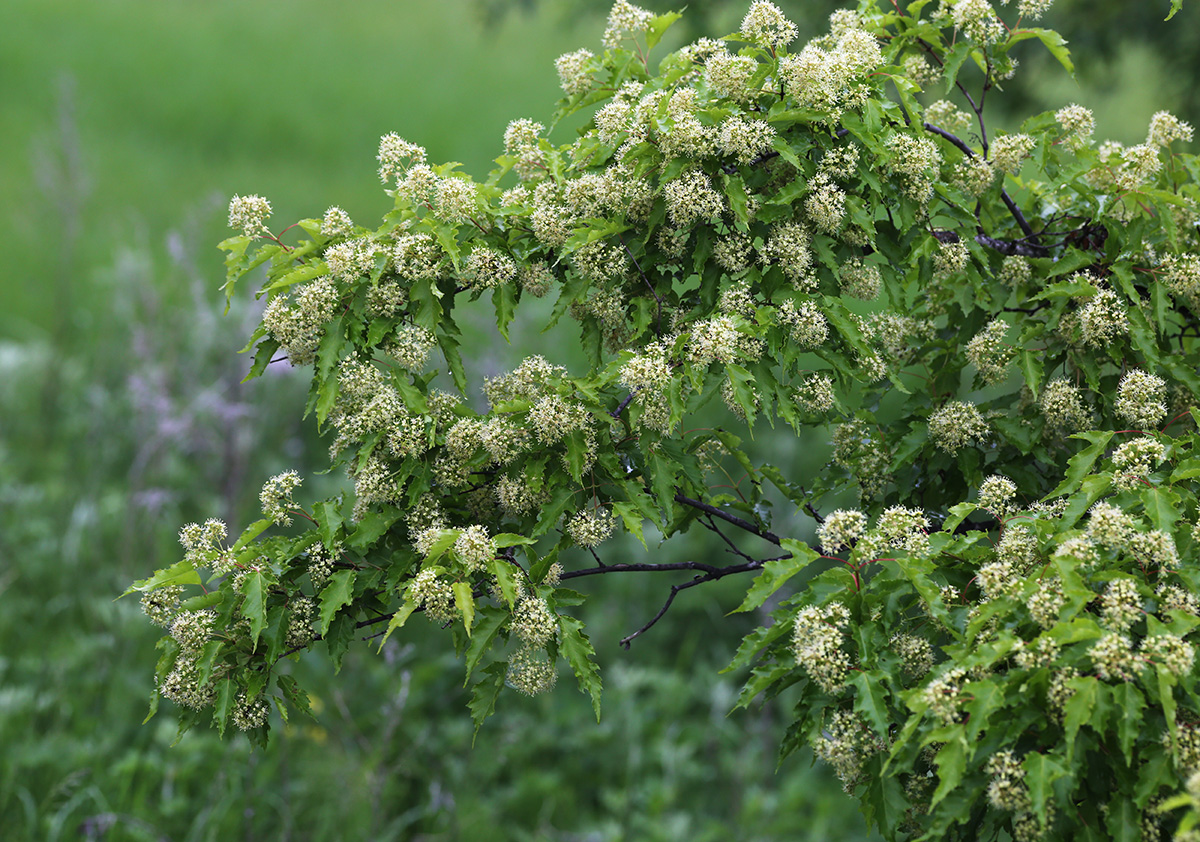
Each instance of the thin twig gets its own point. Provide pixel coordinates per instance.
(740, 523)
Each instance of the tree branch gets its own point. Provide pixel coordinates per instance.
(740, 523)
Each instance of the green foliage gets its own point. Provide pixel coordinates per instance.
(793, 234)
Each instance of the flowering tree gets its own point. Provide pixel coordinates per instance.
(999, 329)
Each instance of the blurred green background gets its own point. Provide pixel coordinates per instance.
(126, 126)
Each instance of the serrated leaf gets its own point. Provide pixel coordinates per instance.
(1176, 5)
(776, 573)
(1128, 704)
(484, 695)
(871, 701)
(180, 573)
(224, 704)
(632, 519)
(958, 513)
(578, 651)
(511, 539)
(335, 595)
(491, 620)
(1041, 771)
(1161, 508)
(254, 606)
(951, 761)
(1079, 709)
(465, 603)
(398, 619)
(660, 23)
(503, 571)
(295, 695)
(504, 299)
(578, 454)
(1080, 465)
(987, 697)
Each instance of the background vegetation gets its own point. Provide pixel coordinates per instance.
(128, 124)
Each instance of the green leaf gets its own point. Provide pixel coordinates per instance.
(504, 299)
(180, 573)
(871, 701)
(254, 606)
(295, 695)
(632, 519)
(338, 593)
(491, 620)
(1166, 698)
(659, 24)
(662, 481)
(1160, 504)
(1053, 42)
(1128, 704)
(958, 513)
(1176, 5)
(465, 602)
(372, 527)
(1124, 819)
(1032, 369)
(1041, 771)
(484, 694)
(951, 761)
(578, 651)
(398, 619)
(1080, 465)
(987, 697)
(577, 454)
(776, 573)
(511, 539)
(1080, 707)
(226, 700)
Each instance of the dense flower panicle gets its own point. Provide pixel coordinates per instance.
(249, 213)
(916, 654)
(1103, 319)
(1172, 653)
(395, 156)
(788, 246)
(161, 605)
(766, 26)
(574, 71)
(841, 162)
(1076, 121)
(474, 548)
(1120, 605)
(1175, 598)
(914, 161)
(745, 140)
(202, 543)
(521, 142)
(816, 640)
(515, 496)
(920, 70)
(1015, 271)
(1114, 659)
(1042, 652)
(300, 618)
(531, 672)
(1135, 459)
(419, 185)
(650, 370)
(1155, 549)
(417, 256)
(691, 198)
(1140, 399)
(950, 260)
(182, 685)
(956, 425)
(945, 115)
(553, 418)
(457, 199)
(841, 528)
(336, 223)
(276, 497)
(942, 693)
(535, 279)
(533, 621)
(193, 629)
(320, 564)
(410, 347)
(732, 252)
(1010, 150)
(1062, 406)
(1139, 165)
(996, 495)
(1032, 9)
(978, 20)
(997, 579)
(1181, 273)
(529, 380)
(974, 176)
(1046, 602)
(846, 743)
(625, 21)
(807, 325)
(1007, 789)
(902, 528)
(1019, 547)
(504, 440)
(1109, 526)
(715, 340)
(430, 591)
(816, 394)
(488, 268)
(374, 482)
(352, 259)
(858, 449)
(590, 527)
(989, 353)
(825, 205)
(729, 75)
(249, 714)
(1165, 128)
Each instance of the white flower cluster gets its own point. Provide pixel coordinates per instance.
(336, 223)
(831, 77)
(941, 694)
(202, 544)
(1103, 319)
(1062, 407)
(249, 213)
(766, 26)
(974, 175)
(996, 494)
(806, 324)
(1042, 652)
(1120, 605)
(788, 247)
(989, 353)
(533, 621)
(276, 497)
(841, 528)
(531, 672)
(691, 198)
(590, 527)
(916, 654)
(815, 394)
(474, 548)
(1135, 459)
(956, 425)
(429, 590)
(817, 639)
(846, 743)
(1172, 653)
(1165, 128)
(396, 155)
(1007, 790)
(1077, 122)
(915, 161)
(1010, 150)
(1046, 602)
(575, 71)
(1113, 658)
(161, 605)
(1140, 399)
(625, 21)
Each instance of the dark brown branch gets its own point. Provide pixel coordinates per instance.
(621, 407)
(740, 523)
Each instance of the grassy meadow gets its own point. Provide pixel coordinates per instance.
(126, 127)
